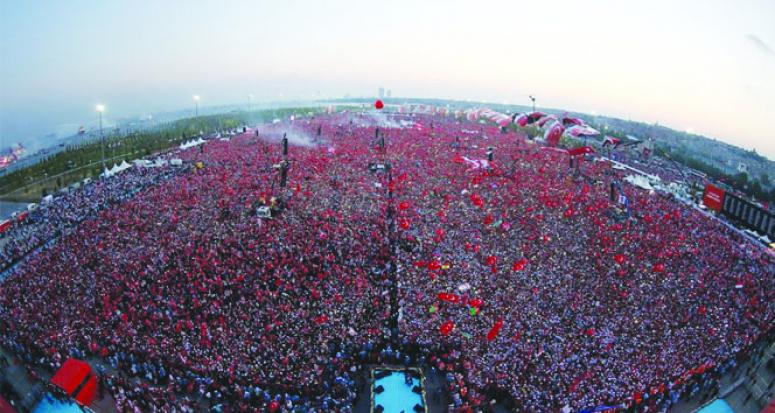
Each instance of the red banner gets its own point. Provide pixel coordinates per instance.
(713, 198)
(21, 217)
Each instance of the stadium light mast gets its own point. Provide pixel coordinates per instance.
(196, 106)
(100, 109)
(534, 102)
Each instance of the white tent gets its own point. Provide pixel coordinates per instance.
(192, 143)
(640, 181)
(159, 162)
(116, 169)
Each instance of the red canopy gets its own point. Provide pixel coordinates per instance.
(21, 217)
(525, 119)
(581, 151)
(610, 140)
(6, 407)
(570, 121)
(76, 379)
(554, 133)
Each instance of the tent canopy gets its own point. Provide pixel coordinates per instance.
(718, 406)
(770, 407)
(570, 121)
(75, 378)
(640, 181)
(52, 404)
(581, 130)
(197, 142)
(6, 407)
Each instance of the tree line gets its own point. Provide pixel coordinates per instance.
(83, 160)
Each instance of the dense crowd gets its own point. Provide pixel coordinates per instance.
(594, 306)
(50, 219)
(518, 278)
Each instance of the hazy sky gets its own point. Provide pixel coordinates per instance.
(705, 65)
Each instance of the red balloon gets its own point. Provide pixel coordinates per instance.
(404, 223)
(519, 265)
(491, 260)
(496, 328)
(452, 298)
(403, 206)
(477, 200)
(378, 104)
(476, 302)
(447, 328)
(619, 258)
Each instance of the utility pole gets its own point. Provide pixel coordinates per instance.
(100, 109)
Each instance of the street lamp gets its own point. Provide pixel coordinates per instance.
(100, 109)
(196, 103)
(534, 102)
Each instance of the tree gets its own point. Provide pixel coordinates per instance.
(741, 179)
(756, 188)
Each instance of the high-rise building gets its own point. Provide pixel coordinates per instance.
(389, 93)
(381, 92)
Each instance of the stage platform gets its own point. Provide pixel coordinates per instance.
(398, 395)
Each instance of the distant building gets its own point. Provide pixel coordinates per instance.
(381, 92)
(741, 167)
(389, 93)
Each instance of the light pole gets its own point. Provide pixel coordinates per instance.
(534, 102)
(100, 109)
(196, 106)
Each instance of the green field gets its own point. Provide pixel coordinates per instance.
(84, 160)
